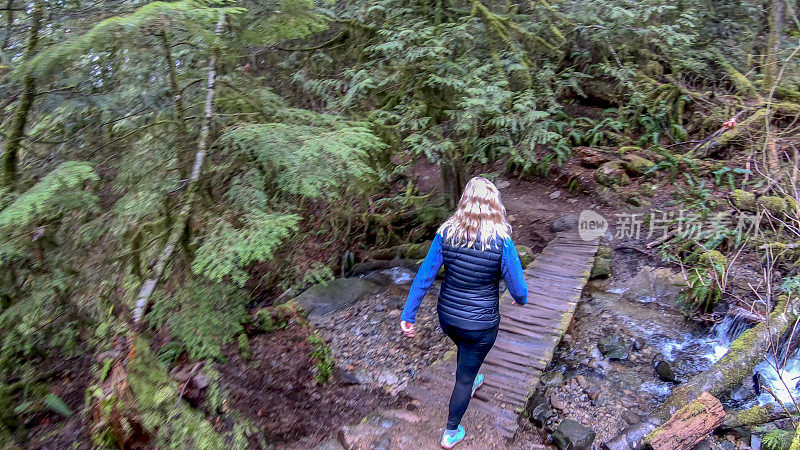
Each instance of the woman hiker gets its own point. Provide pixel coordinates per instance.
(475, 246)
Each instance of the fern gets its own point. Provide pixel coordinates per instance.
(226, 251)
(54, 195)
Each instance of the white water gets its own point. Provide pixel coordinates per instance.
(399, 275)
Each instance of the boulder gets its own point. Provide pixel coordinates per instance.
(590, 157)
(636, 164)
(612, 347)
(601, 268)
(612, 173)
(746, 201)
(624, 150)
(564, 223)
(323, 299)
(665, 372)
(571, 435)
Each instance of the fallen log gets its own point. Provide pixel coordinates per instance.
(757, 415)
(690, 425)
(742, 357)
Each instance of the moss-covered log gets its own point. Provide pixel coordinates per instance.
(756, 415)
(742, 357)
(690, 425)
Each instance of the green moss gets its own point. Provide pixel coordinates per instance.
(744, 200)
(791, 205)
(264, 321)
(754, 415)
(611, 174)
(773, 204)
(714, 257)
(637, 164)
(525, 255)
(155, 394)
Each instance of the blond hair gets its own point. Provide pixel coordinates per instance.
(480, 217)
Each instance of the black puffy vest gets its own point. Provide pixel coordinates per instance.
(469, 295)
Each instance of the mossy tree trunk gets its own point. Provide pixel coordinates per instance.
(775, 19)
(11, 151)
(453, 179)
(183, 152)
(9, 22)
(742, 357)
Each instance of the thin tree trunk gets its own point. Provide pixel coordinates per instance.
(9, 22)
(11, 151)
(180, 112)
(775, 19)
(182, 220)
(742, 357)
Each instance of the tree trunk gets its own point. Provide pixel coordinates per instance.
(452, 179)
(772, 52)
(690, 425)
(182, 220)
(11, 151)
(9, 22)
(742, 357)
(183, 153)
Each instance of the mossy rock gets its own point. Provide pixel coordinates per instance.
(774, 204)
(743, 200)
(636, 164)
(612, 173)
(647, 189)
(601, 267)
(624, 150)
(525, 254)
(713, 256)
(604, 251)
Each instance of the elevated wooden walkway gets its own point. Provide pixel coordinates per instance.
(528, 335)
(524, 347)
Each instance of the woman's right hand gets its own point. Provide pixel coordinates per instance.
(407, 328)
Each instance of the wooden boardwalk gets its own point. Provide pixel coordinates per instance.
(527, 338)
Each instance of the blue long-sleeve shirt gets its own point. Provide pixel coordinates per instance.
(510, 266)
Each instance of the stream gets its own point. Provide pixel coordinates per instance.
(604, 373)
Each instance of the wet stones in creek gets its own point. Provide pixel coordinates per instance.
(613, 347)
(324, 299)
(571, 435)
(665, 372)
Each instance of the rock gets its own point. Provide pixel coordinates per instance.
(551, 379)
(564, 223)
(612, 173)
(705, 444)
(383, 442)
(665, 372)
(727, 445)
(329, 444)
(555, 195)
(590, 157)
(388, 378)
(601, 268)
(571, 435)
(525, 254)
(538, 408)
(755, 442)
(346, 377)
(744, 200)
(323, 299)
(359, 436)
(612, 347)
(647, 189)
(502, 184)
(775, 205)
(557, 403)
(636, 164)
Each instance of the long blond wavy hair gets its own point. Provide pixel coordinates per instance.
(480, 217)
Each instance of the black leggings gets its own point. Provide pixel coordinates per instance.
(473, 345)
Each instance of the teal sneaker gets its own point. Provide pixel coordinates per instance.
(452, 437)
(477, 383)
